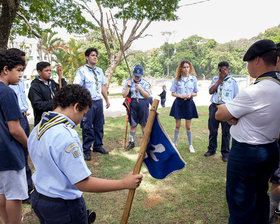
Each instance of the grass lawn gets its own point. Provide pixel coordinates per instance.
(195, 194)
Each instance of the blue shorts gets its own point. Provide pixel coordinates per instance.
(139, 112)
(183, 109)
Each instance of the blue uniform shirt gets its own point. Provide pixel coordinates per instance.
(226, 91)
(144, 85)
(58, 158)
(90, 80)
(20, 92)
(185, 86)
(11, 151)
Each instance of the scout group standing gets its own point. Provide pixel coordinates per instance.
(251, 117)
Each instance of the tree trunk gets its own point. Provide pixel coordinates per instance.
(109, 73)
(8, 14)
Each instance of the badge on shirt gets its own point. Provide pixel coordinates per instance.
(72, 146)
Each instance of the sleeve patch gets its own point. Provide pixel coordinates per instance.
(72, 146)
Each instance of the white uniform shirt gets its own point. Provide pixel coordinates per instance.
(258, 111)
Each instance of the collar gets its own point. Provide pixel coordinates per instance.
(51, 119)
(274, 76)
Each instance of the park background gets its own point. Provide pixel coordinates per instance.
(204, 32)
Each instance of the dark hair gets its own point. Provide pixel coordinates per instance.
(223, 63)
(71, 94)
(278, 49)
(89, 50)
(270, 57)
(17, 51)
(41, 65)
(10, 59)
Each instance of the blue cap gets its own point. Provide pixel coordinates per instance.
(138, 71)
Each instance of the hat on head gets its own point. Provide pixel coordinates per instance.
(259, 48)
(138, 71)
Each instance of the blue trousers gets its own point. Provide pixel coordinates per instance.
(92, 127)
(213, 126)
(25, 126)
(248, 172)
(59, 211)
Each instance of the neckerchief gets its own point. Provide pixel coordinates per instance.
(221, 87)
(50, 120)
(274, 76)
(93, 69)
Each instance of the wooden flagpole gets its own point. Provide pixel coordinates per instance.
(141, 155)
(125, 136)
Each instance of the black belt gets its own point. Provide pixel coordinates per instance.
(24, 114)
(49, 198)
(216, 104)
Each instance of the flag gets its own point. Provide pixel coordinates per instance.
(162, 157)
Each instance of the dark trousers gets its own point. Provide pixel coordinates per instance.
(248, 171)
(25, 126)
(213, 126)
(92, 127)
(59, 211)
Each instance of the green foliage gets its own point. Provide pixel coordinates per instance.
(153, 10)
(272, 34)
(53, 13)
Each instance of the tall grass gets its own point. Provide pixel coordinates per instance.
(195, 194)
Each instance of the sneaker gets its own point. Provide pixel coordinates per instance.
(27, 201)
(130, 146)
(225, 159)
(191, 149)
(87, 156)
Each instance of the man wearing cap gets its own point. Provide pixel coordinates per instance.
(140, 91)
(255, 115)
(92, 78)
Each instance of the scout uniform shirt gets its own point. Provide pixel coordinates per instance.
(185, 86)
(226, 91)
(20, 92)
(92, 79)
(136, 93)
(56, 152)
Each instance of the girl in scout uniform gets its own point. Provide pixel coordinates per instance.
(184, 88)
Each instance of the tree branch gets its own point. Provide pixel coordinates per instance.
(28, 24)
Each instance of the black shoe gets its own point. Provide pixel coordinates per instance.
(209, 154)
(101, 150)
(87, 156)
(91, 216)
(225, 159)
(27, 201)
(131, 145)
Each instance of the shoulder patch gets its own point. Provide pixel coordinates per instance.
(72, 146)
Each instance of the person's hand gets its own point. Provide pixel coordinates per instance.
(59, 71)
(189, 96)
(137, 87)
(184, 96)
(129, 82)
(222, 74)
(107, 104)
(233, 121)
(132, 181)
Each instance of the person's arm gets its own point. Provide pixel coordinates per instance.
(98, 185)
(142, 91)
(38, 101)
(17, 132)
(125, 92)
(213, 89)
(104, 93)
(223, 114)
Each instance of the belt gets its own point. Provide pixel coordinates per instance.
(24, 114)
(49, 198)
(216, 104)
